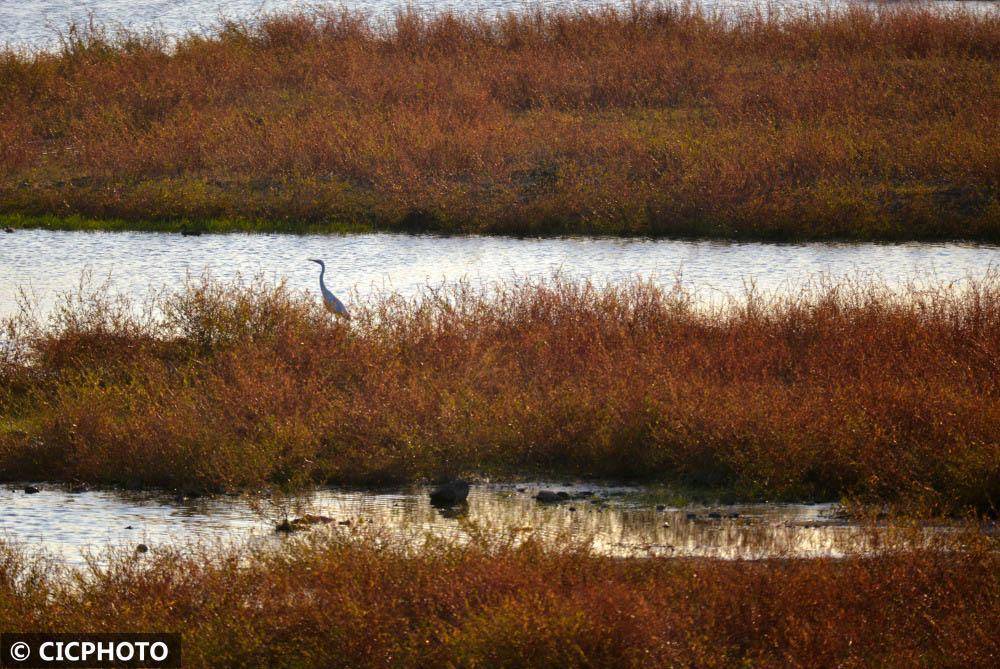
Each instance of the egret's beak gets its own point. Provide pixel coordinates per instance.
(313, 260)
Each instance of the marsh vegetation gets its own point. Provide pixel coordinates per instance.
(857, 122)
(839, 390)
(860, 122)
(330, 601)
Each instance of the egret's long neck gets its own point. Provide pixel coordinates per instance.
(322, 271)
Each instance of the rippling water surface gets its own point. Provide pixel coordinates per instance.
(47, 263)
(615, 520)
(36, 23)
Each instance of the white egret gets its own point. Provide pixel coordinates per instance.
(330, 301)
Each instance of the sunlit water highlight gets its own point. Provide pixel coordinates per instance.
(45, 264)
(614, 520)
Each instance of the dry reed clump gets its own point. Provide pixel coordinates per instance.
(661, 119)
(841, 390)
(331, 602)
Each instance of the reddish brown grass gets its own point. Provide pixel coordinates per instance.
(863, 123)
(849, 389)
(333, 603)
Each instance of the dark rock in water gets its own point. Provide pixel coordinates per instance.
(8, 230)
(547, 497)
(563, 495)
(142, 548)
(133, 484)
(450, 493)
(661, 507)
(190, 232)
(31, 490)
(286, 526)
(715, 515)
(129, 527)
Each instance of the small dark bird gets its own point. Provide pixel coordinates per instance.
(8, 230)
(190, 232)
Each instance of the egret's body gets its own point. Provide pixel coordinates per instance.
(330, 301)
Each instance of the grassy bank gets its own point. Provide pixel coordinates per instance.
(336, 603)
(76, 222)
(867, 123)
(850, 389)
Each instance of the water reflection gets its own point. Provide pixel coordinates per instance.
(618, 521)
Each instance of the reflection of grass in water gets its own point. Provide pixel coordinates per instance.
(354, 599)
(624, 528)
(680, 495)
